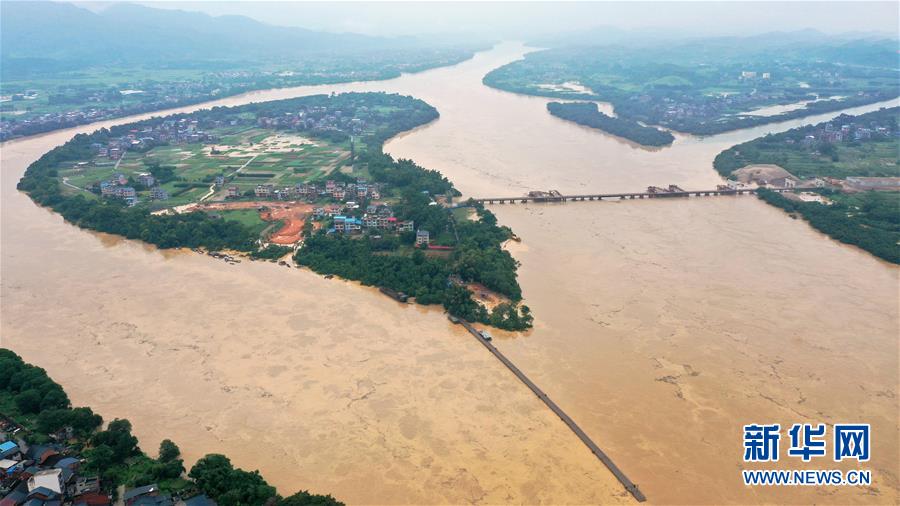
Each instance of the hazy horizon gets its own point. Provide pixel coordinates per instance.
(530, 19)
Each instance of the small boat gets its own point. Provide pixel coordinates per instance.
(485, 335)
(329, 276)
(394, 294)
(452, 318)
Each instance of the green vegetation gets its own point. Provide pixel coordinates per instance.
(710, 86)
(473, 253)
(869, 220)
(167, 58)
(113, 455)
(860, 146)
(808, 152)
(587, 114)
(247, 217)
(392, 262)
(387, 115)
(272, 252)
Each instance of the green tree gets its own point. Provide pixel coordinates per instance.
(216, 477)
(304, 498)
(118, 437)
(168, 451)
(28, 401)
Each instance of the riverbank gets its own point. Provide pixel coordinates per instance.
(663, 325)
(587, 114)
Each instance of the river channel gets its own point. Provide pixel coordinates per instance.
(662, 327)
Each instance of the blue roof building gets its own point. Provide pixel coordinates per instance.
(8, 449)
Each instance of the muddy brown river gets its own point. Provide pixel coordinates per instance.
(662, 327)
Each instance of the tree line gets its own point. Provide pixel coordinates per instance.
(113, 454)
(589, 115)
(870, 220)
(477, 254)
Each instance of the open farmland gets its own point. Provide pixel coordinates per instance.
(245, 158)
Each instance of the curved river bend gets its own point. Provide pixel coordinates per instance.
(662, 327)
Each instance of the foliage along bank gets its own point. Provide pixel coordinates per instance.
(868, 220)
(30, 398)
(814, 151)
(589, 115)
(475, 246)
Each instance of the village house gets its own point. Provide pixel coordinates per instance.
(405, 226)
(233, 192)
(370, 221)
(422, 238)
(158, 193)
(8, 467)
(146, 496)
(107, 188)
(10, 450)
(352, 225)
(264, 190)
(146, 179)
(51, 479)
(339, 223)
(783, 182)
(125, 192)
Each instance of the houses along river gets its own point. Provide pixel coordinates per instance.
(662, 326)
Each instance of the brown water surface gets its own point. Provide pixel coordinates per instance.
(662, 327)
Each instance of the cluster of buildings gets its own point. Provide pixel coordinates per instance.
(96, 104)
(339, 191)
(781, 181)
(687, 106)
(319, 118)
(51, 475)
(752, 75)
(180, 131)
(378, 217)
(833, 133)
(118, 187)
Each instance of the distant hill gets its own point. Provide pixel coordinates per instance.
(49, 36)
(681, 47)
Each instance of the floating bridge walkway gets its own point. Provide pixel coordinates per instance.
(627, 483)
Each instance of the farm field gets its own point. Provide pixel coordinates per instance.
(245, 158)
(871, 159)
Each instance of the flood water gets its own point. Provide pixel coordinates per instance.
(661, 326)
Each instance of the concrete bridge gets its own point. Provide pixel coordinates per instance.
(557, 197)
